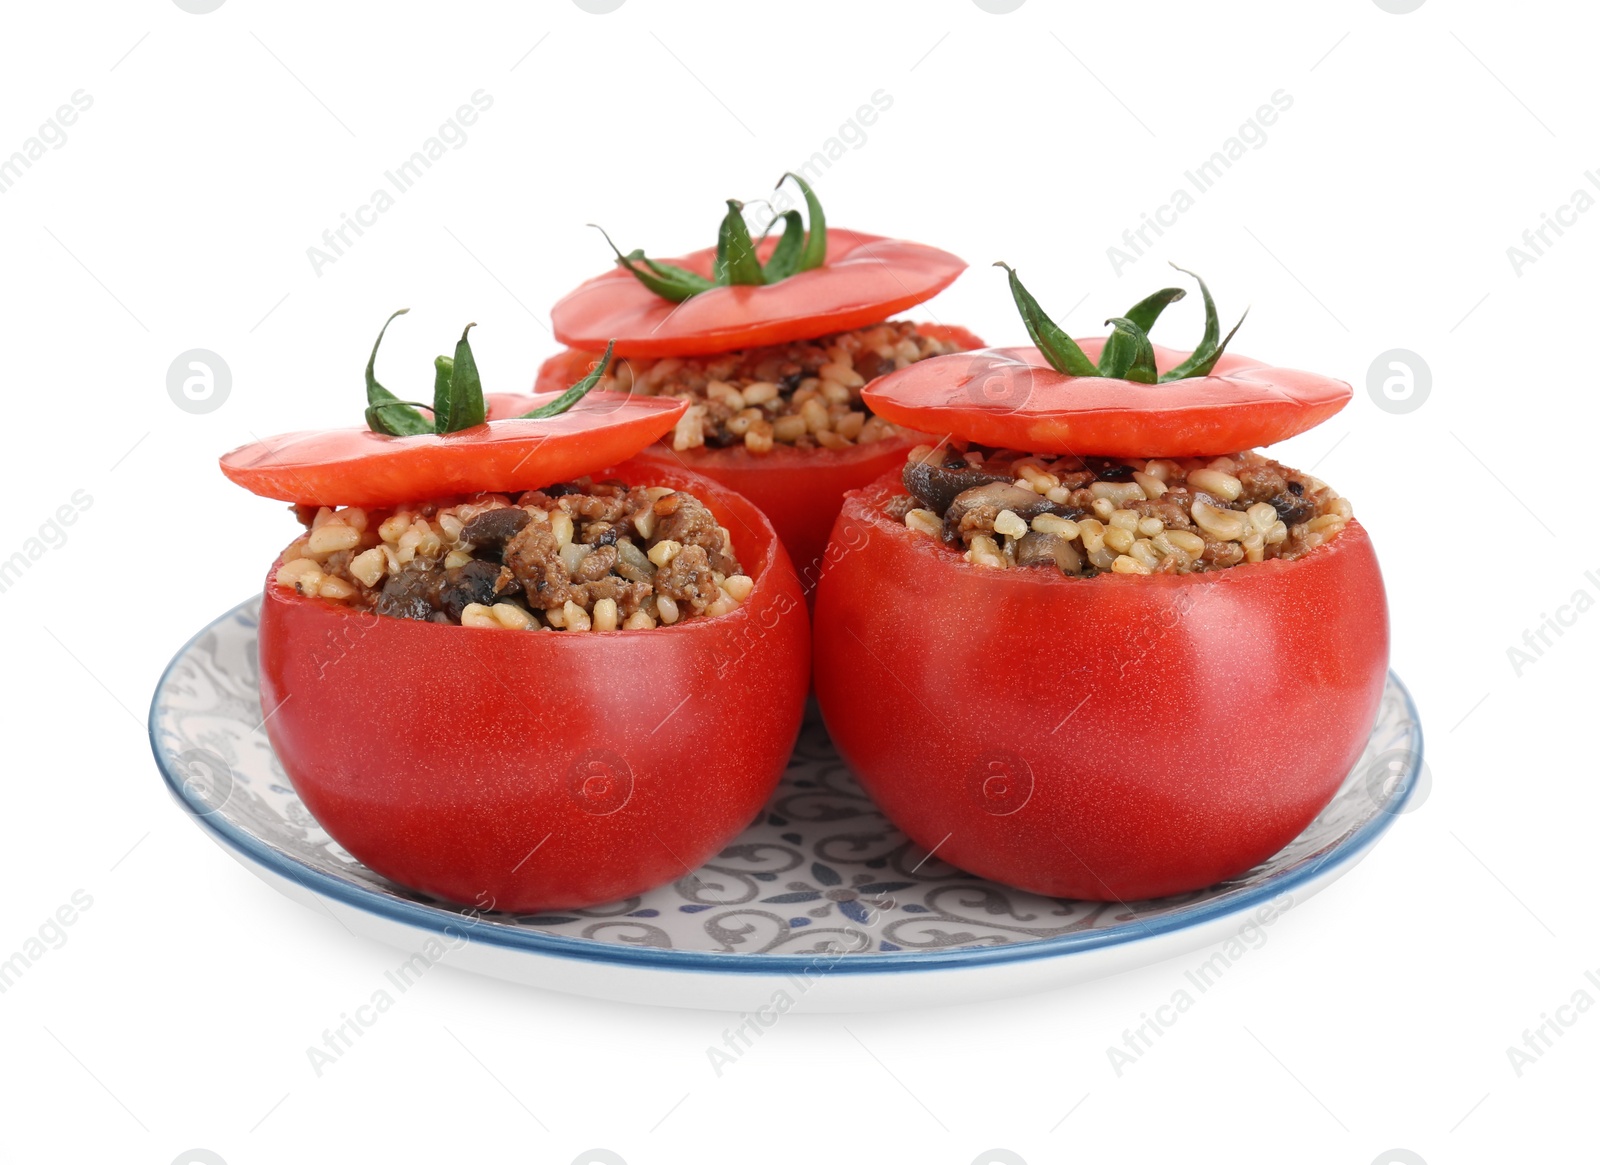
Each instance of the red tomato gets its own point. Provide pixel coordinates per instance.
(865, 280)
(539, 770)
(1010, 398)
(1120, 737)
(332, 467)
(799, 490)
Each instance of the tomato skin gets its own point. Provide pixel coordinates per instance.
(338, 467)
(489, 767)
(800, 490)
(1119, 737)
(866, 279)
(1010, 398)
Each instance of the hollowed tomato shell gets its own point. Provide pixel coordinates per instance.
(1121, 737)
(537, 770)
(800, 490)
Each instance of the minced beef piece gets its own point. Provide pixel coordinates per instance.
(534, 557)
(628, 596)
(596, 564)
(687, 578)
(684, 520)
(961, 526)
(575, 556)
(1222, 553)
(604, 509)
(1173, 516)
(901, 505)
(1261, 483)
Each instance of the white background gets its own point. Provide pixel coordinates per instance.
(1377, 215)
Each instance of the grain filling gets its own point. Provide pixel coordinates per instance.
(582, 556)
(805, 394)
(1087, 516)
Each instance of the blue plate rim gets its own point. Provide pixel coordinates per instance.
(456, 926)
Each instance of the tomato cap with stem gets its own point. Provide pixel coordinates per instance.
(403, 456)
(1117, 396)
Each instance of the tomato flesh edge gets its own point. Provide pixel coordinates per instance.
(1119, 737)
(536, 770)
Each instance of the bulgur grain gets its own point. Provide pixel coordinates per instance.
(330, 538)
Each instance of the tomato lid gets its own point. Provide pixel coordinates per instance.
(1011, 398)
(866, 280)
(403, 456)
(1116, 396)
(809, 281)
(357, 467)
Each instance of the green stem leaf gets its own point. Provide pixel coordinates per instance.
(1060, 349)
(785, 258)
(577, 392)
(1201, 364)
(467, 397)
(457, 391)
(1212, 330)
(443, 367)
(671, 283)
(1206, 352)
(376, 413)
(1147, 311)
(1140, 366)
(386, 413)
(736, 263)
(816, 248)
(1120, 349)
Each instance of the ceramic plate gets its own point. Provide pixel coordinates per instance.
(821, 900)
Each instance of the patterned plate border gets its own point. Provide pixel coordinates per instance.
(1243, 894)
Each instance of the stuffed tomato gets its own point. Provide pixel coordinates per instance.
(1092, 645)
(523, 687)
(770, 342)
